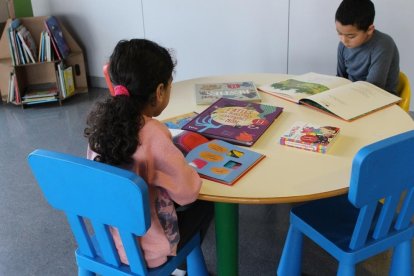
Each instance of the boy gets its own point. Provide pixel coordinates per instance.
(363, 52)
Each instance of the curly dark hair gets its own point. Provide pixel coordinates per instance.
(360, 13)
(113, 125)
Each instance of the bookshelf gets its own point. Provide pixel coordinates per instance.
(40, 72)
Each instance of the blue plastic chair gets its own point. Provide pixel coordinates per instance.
(105, 196)
(356, 227)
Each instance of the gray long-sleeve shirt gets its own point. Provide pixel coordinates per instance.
(376, 61)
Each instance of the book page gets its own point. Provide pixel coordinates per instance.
(354, 100)
(303, 86)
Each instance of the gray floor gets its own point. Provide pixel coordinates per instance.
(36, 240)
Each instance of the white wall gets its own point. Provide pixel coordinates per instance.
(219, 37)
(97, 25)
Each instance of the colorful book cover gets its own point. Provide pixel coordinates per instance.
(56, 35)
(310, 137)
(69, 82)
(222, 162)
(235, 121)
(179, 121)
(208, 93)
(28, 43)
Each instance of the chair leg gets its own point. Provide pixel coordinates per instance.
(401, 263)
(85, 272)
(196, 264)
(291, 260)
(346, 269)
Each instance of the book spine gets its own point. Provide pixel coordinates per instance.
(311, 147)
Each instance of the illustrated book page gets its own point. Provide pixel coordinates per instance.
(303, 86)
(235, 121)
(222, 162)
(310, 137)
(352, 101)
(208, 93)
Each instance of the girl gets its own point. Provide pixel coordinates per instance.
(122, 132)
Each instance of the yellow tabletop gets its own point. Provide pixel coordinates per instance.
(289, 174)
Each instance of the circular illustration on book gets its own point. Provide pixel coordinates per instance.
(320, 135)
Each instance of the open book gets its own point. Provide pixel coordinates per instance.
(333, 95)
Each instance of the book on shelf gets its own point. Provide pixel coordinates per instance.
(56, 35)
(311, 137)
(14, 91)
(221, 161)
(13, 46)
(28, 43)
(177, 122)
(332, 95)
(39, 93)
(69, 82)
(207, 93)
(234, 121)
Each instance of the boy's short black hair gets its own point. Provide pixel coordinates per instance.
(359, 13)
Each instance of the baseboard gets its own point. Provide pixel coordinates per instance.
(98, 82)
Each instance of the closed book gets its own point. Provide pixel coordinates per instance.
(207, 93)
(222, 162)
(69, 82)
(56, 35)
(28, 43)
(310, 137)
(234, 121)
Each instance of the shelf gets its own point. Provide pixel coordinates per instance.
(40, 72)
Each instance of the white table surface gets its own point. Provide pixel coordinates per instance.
(289, 174)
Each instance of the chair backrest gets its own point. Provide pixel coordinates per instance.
(383, 170)
(101, 194)
(404, 91)
(108, 79)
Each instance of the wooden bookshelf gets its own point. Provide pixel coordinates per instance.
(40, 72)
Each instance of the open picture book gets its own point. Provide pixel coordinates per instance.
(333, 95)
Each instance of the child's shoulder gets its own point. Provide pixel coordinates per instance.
(154, 128)
(383, 39)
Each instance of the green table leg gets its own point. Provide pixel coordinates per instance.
(227, 236)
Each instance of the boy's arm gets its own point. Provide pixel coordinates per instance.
(340, 68)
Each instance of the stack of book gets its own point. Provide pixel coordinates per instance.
(40, 93)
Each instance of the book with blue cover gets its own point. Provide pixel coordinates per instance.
(56, 35)
(222, 162)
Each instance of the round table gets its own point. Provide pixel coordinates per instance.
(287, 174)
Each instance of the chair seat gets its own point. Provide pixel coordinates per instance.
(330, 222)
(98, 265)
(335, 220)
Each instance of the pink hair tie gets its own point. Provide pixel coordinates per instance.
(121, 90)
